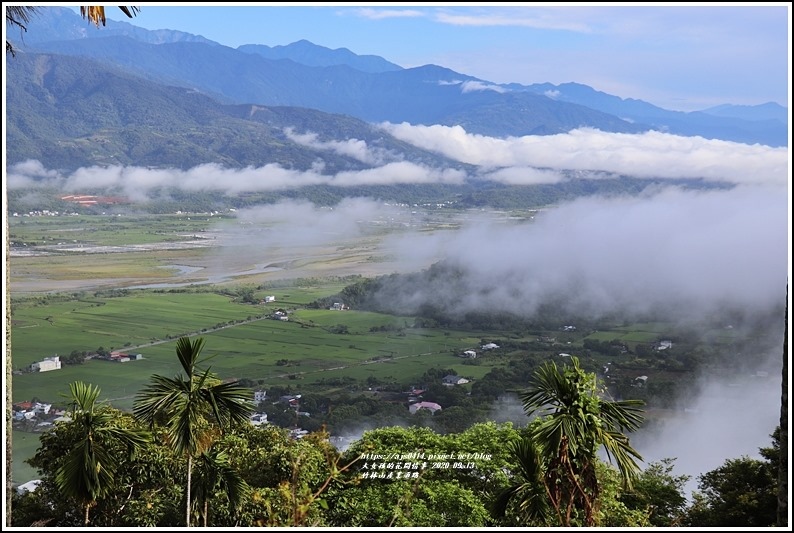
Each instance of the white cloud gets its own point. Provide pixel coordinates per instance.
(546, 20)
(524, 176)
(138, 183)
(354, 148)
(646, 155)
(470, 86)
(379, 14)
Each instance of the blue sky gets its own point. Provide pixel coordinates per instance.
(683, 56)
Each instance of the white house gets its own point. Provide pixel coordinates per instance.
(49, 363)
(664, 345)
(260, 395)
(42, 408)
(269, 299)
(471, 354)
(431, 406)
(257, 419)
(490, 346)
(453, 380)
(30, 486)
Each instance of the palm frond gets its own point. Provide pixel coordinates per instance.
(130, 11)
(530, 492)
(158, 398)
(188, 353)
(95, 14)
(213, 470)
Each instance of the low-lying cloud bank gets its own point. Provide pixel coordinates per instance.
(524, 160)
(697, 251)
(647, 155)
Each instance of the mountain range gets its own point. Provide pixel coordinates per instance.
(120, 94)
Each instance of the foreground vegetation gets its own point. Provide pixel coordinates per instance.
(139, 470)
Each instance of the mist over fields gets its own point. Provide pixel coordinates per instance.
(690, 253)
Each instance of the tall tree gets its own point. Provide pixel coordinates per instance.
(88, 471)
(573, 424)
(192, 407)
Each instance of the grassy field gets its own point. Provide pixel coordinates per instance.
(45, 327)
(242, 342)
(24, 445)
(107, 230)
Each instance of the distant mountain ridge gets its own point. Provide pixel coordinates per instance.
(372, 89)
(70, 112)
(765, 123)
(309, 54)
(767, 111)
(53, 23)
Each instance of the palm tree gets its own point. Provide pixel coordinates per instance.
(189, 406)
(213, 471)
(574, 423)
(89, 469)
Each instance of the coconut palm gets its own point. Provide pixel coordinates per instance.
(88, 472)
(192, 407)
(574, 424)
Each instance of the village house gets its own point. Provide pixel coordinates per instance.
(42, 408)
(431, 406)
(269, 299)
(469, 354)
(49, 363)
(257, 419)
(30, 486)
(121, 357)
(664, 345)
(260, 396)
(290, 399)
(489, 346)
(451, 380)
